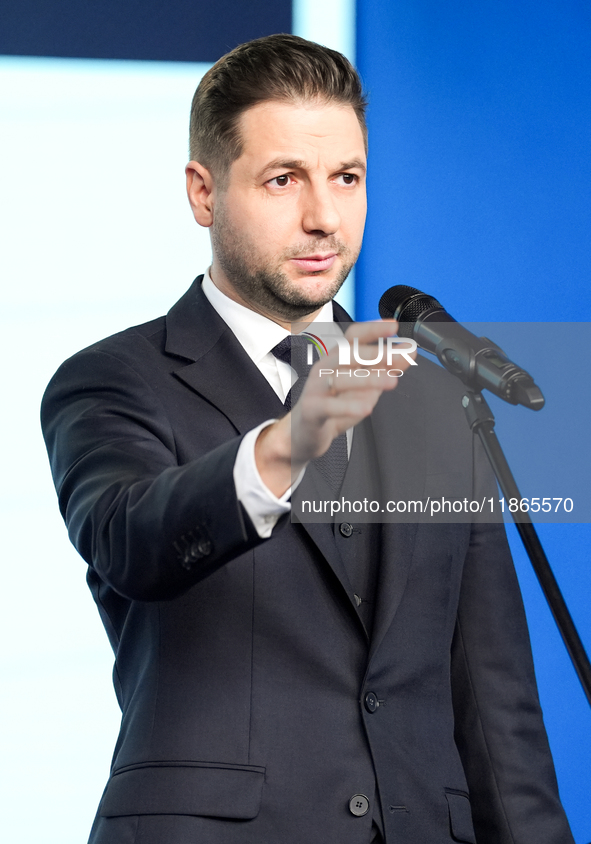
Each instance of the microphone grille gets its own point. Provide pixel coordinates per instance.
(406, 304)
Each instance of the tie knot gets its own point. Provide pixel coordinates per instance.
(293, 350)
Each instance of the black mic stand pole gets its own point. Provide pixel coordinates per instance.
(482, 421)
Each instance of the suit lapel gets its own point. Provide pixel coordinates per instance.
(398, 543)
(400, 439)
(218, 368)
(228, 379)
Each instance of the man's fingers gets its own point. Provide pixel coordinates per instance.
(328, 382)
(344, 386)
(337, 413)
(370, 332)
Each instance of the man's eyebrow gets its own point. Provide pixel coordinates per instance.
(354, 164)
(282, 164)
(298, 164)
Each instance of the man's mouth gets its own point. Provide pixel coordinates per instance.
(315, 263)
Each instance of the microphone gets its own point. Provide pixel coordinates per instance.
(477, 361)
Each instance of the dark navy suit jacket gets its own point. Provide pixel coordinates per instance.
(242, 665)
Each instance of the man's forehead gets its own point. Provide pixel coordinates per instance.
(281, 132)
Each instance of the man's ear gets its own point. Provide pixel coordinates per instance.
(200, 189)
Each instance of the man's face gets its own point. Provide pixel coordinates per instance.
(287, 228)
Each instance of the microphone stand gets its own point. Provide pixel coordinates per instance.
(482, 421)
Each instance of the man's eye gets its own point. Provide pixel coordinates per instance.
(280, 181)
(348, 178)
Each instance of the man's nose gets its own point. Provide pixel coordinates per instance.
(320, 213)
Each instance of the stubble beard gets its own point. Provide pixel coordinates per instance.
(267, 289)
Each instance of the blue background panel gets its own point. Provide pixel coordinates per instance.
(480, 171)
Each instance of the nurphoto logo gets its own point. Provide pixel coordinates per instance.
(386, 350)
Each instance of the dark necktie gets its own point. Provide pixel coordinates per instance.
(293, 350)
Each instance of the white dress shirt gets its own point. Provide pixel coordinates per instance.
(258, 335)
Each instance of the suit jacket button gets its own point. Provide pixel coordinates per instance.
(371, 702)
(200, 549)
(359, 805)
(346, 529)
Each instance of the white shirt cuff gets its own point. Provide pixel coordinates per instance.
(262, 506)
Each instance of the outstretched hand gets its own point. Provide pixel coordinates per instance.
(336, 397)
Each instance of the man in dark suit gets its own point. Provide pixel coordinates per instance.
(280, 682)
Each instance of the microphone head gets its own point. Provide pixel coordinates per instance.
(406, 304)
(477, 361)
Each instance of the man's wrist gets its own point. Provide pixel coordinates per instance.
(273, 457)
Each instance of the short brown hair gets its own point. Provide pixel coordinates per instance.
(277, 67)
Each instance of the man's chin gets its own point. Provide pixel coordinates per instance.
(308, 304)
(283, 293)
(292, 303)
(315, 289)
